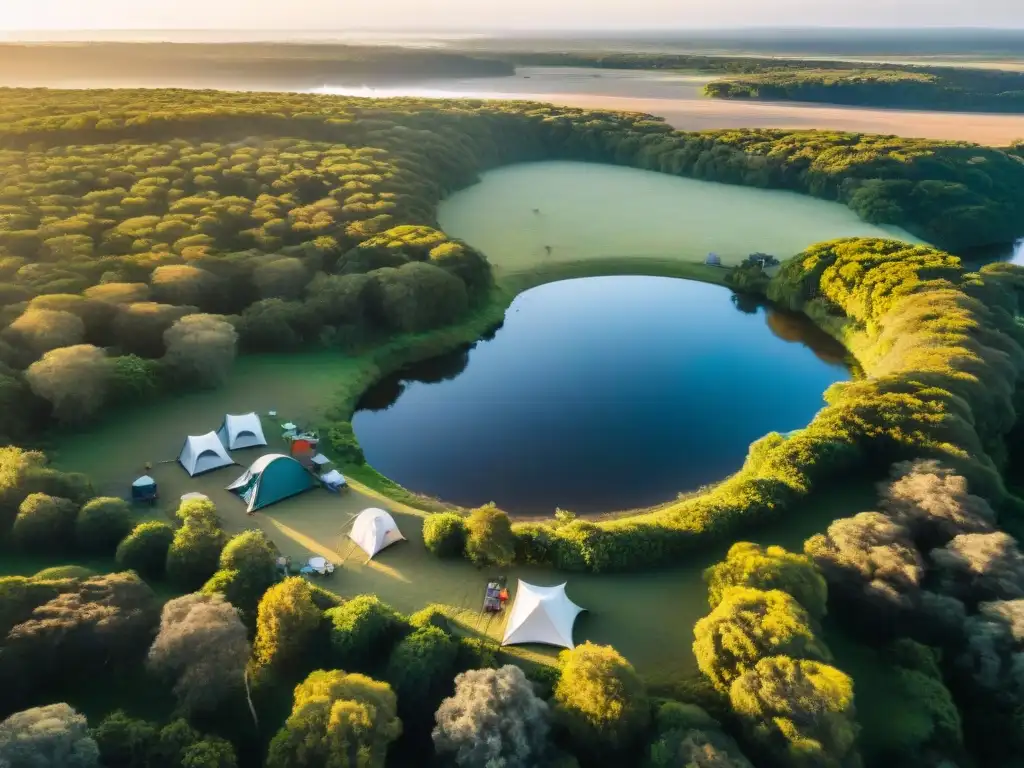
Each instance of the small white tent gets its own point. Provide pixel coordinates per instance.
(241, 431)
(374, 529)
(541, 615)
(202, 453)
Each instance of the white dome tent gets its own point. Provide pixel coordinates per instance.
(541, 615)
(241, 431)
(373, 529)
(203, 453)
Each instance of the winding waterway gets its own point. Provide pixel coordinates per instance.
(599, 394)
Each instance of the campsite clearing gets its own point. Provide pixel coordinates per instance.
(648, 616)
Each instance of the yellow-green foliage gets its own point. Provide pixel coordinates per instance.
(747, 625)
(941, 354)
(285, 621)
(339, 720)
(489, 539)
(806, 706)
(600, 698)
(751, 565)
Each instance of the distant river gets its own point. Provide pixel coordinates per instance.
(599, 394)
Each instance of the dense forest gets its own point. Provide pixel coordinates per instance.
(146, 237)
(248, 65)
(961, 89)
(142, 232)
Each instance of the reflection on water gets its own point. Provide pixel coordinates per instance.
(599, 394)
(1018, 253)
(432, 371)
(793, 327)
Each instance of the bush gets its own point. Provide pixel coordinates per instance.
(195, 551)
(102, 523)
(494, 718)
(444, 534)
(61, 572)
(489, 539)
(421, 669)
(344, 443)
(286, 621)
(601, 701)
(363, 630)
(144, 550)
(248, 567)
(45, 523)
(54, 736)
(337, 719)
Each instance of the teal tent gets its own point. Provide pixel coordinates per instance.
(271, 479)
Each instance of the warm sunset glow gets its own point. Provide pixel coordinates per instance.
(496, 14)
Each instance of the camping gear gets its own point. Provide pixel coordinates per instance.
(144, 489)
(302, 446)
(241, 431)
(270, 479)
(333, 480)
(374, 529)
(321, 565)
(289, 430)
(541, 615)
(203, 453)
(194, 496)
(271, 413)
(492, 597)
(319, 460)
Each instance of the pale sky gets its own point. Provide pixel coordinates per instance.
(395, 15)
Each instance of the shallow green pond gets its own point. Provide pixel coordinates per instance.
(587, 210)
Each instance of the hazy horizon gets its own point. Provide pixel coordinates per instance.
(501, 15)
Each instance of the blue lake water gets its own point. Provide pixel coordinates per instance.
(599, 394)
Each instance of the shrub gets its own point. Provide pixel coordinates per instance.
(248, 567)
(194, 552)
(750, 565)
(286, 620)
(747, 625)
(61, 572)
(44, 523)
(494, 718)
(444, 534)
(144, 550)
(202, 645)
(421, 669)
(337, 716)
(364, 629)
(601, 700)
(102, 523)
(54, 736)
(800, 712)
(489, 539)
(74, 380)
(344, 443)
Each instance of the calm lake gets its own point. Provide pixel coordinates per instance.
(599, 394)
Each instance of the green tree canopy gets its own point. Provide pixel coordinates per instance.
(338, 720)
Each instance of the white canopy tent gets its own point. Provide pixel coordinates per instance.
(541, 615)
(241, 431)
(202, 453)
(373, 529)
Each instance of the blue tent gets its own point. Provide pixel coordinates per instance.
(270, 479)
